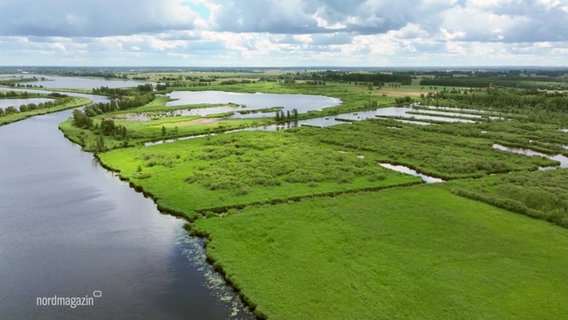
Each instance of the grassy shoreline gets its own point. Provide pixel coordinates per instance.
(76, 102)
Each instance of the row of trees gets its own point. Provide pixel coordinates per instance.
(107, 126)
(509, 82)
(118, 92)
(507, 99)
(33, 106)
(281, 116)
(233, 81)
(376, 78)
(14, 94)
(124, 103)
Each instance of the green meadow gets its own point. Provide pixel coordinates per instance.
(233, 170)
(403, 253)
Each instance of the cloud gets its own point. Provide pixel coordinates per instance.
(508, 21)
(313, 16)
(72, 18)
(275, 32)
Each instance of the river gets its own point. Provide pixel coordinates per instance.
(70, 228)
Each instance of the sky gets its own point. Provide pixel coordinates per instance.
(285, 33)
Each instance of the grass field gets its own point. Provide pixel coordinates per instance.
(220, 172)
(412, 253)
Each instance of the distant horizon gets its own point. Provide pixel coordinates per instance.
(463, 67)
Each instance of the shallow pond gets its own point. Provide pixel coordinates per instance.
(400, 112)
(454, 110)
(321, 122)
(407, 170)
(405, 112)
(251, 101)
(385, 113)
(527, 152)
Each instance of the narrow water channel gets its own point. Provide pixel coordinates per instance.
(562, 159)
(69, 228)
(407, 170)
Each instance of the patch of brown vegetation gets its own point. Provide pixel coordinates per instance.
(200, 121)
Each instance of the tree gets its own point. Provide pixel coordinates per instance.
(100, 144)
(81, 120)
(108, 127)
(123, 132)
(10, 110)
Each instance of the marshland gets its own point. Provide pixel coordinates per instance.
(300, 206)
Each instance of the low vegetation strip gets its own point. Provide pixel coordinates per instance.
(540, 194)
(447, 155)
(403, 253)
(58, 105)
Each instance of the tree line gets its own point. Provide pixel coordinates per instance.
(33, 106)
(508, 99)
(510, 82)
(281, 116)
(124, 103)
(117, 92)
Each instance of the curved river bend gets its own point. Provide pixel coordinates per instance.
(70, 228)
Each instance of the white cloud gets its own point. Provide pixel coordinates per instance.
(273, 32)
(92, 18)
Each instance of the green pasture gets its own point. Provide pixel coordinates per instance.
(403, 253)
(220, 172)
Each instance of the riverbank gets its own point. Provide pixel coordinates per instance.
(18, 116)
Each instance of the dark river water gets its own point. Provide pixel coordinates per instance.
(69, 228)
